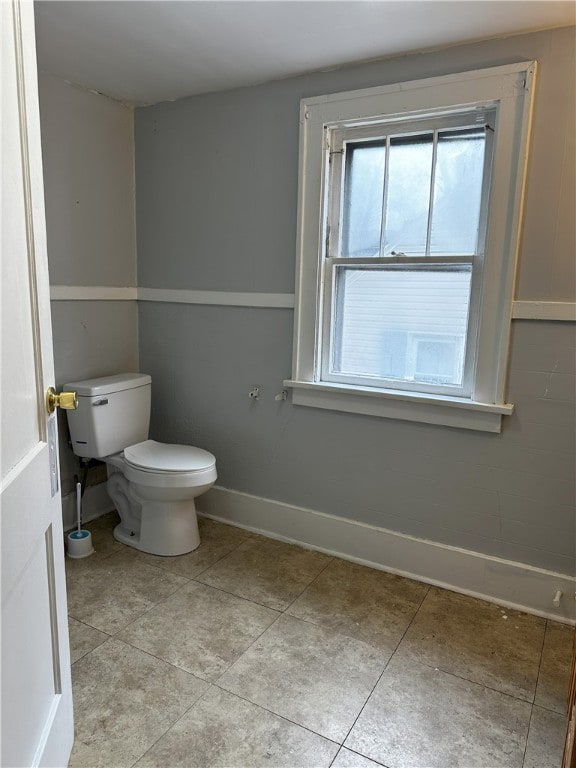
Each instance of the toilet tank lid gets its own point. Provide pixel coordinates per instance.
(166, 457)
(105, 385)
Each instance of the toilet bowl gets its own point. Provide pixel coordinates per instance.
(153, 485)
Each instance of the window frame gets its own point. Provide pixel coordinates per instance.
(509, 91)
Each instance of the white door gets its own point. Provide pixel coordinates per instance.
(36, 694)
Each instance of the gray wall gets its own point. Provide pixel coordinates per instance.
(88, 159)
(217, 174)
(216, 205)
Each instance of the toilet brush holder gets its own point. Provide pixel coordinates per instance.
(80, 540)
(79, 544)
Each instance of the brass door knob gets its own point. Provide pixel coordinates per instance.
(66, 400)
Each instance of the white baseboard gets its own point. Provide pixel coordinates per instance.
(514, 585)
(95, 503)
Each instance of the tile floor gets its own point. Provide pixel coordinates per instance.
(252, 652)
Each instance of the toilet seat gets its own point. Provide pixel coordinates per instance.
(165, 466)
(161, 458)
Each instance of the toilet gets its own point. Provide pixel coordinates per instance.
(153, 485)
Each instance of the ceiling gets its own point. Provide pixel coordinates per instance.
(158, 50)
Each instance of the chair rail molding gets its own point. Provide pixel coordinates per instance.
(521, 310)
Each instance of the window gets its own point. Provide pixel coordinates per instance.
(408, 232)
(404, 239)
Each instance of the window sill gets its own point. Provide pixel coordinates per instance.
(393, 404)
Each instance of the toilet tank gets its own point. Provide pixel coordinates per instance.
(113, 412)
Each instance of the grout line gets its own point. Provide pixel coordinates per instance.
(387, 663)
(84, 655)
(535, 689)
(86, 624)
(282, 717)
(354, 751)
(551, 711)
(256, 602)
(232, 664)
(152, 607)
(174, 723)
(412, 620)
(335, 756)
(238, 597)
(472, 682)
(330, 561)
(162, 661)
(527, 736)
(89, 626)
(176, 666)
(219, 560)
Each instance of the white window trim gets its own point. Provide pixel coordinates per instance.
(510, 89)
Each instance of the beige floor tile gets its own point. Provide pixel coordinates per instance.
(554, 677)
(110, 592)
(200, 629)
(361, 602)
(472, 639)
(419, 717)
(347, 759)
(83, 639)
(545, 739)
(216, 541)
(316, 667)
(124, 700)
(222, 730)
(310, 675)
(269, 572)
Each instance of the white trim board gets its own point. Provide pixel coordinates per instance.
(92, 293)
(514, 585)
(171, 296)
(218, 298)
(544, 310)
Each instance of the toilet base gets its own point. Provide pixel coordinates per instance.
(166, 528)
(181, 540)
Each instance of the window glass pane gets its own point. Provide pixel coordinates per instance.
(362, 223)
(457, 191)
(404, 324)
(408, 196)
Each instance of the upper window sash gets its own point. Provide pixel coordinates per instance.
(342, 141)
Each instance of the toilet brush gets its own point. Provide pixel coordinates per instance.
(80, 540)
